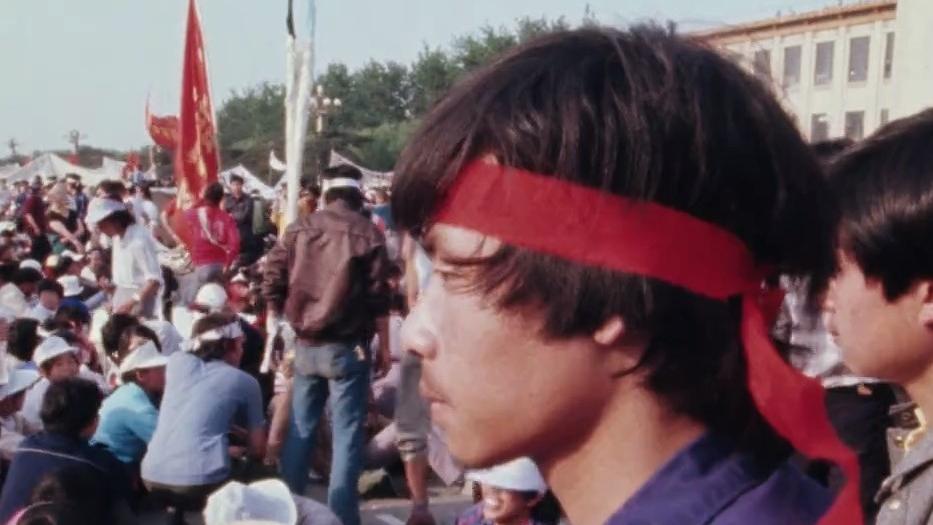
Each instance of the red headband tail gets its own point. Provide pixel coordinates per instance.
(598, 228)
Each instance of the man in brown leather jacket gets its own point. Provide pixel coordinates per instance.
(327, 276)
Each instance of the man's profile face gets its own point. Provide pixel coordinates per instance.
(496, 387)
(236, 187)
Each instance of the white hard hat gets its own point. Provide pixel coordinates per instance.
(71, 285)
(31, 263)
(520, 475)
(267, 501)
(146, 356)
(101, 208)
(213, 296)
(19, 381)
(51, 348)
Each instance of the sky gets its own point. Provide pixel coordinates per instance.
(90, 64)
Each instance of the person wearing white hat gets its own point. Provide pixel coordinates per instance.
(16, 294)
(13, 426)
(266, 502)
(50, 294)
(135, 264)
(211, 298)
(512, 493)
(128, 416)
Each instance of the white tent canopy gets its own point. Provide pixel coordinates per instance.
(50, 164)
(250, 182)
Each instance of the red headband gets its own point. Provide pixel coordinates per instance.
(597, 228)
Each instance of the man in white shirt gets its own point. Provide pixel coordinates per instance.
(16, 294)
(137, 275)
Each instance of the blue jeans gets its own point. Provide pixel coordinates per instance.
(340, 370)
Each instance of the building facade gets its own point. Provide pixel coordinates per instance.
(842, 71)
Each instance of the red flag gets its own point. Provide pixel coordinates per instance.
(163, 130)
(196, 155)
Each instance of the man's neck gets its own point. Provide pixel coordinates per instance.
(920, 390)
(636, 437)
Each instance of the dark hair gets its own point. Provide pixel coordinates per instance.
(27, 275)
(351, 196)
(70, 405)
(826, 150)
(79, 485)
(8, 270)
(23, 338)
(56, 513)
(112, 189)
(214, 193)
(211, 350)
(64, 263)
(122, 218)
(652, 116)
(69, 314)
(126, 337)
(884, 187)
(48, 285)
(113, 329)
(236, 178)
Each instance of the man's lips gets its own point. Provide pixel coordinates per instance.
(429, 392)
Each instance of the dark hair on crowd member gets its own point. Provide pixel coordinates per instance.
(351, 196)
(884, 187)
(112, 189)
(827, 150)
(64, 264)
(653, 116)
(126, 339)
(122, 218)
(72, 315)
(23, 338)
(27, 275)
(79, 488)
(7, 271)
(236, 178)
(48, 285)
(214, 193)
(55, 513)
(113, 329)
(70, 406)
(211, 350)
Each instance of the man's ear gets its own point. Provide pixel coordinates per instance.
(925, 291)
(610, 332)
(623, 350)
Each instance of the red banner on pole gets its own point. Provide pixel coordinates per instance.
(196, 154)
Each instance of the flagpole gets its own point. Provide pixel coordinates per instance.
(299, 72)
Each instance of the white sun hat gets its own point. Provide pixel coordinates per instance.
(19, 381)
(146, 356)
(74, 256)
(51, 348)
(520, 475)
(268, 501)
(213, 296)
(101, 208)
(71, 284)
(31, 263)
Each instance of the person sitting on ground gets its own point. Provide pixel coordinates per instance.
(22, 340)
(511, 493)
(15, 295)
(57, 360)
(128, 416)
(206, 395)
(69, 415)
(75, 293)
(13, 426)
(268, 501)
(50, 298)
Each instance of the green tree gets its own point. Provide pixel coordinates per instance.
(254, 117)
(431, 75)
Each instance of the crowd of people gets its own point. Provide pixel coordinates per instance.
(607, 265)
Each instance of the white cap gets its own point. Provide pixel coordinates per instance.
(340, 182)
(521, 475)
(51, 348)
(19, 381)
(74, 256)
(7, 226)
(213, 296)
(31, 263)
(101, 208)
(71, 284)
(145, 356)
(267, 501)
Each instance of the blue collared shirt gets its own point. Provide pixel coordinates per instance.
(711, 483)
(127, 422)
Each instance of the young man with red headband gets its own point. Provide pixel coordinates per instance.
(621, 344)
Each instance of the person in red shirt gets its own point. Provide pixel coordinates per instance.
(215, 240)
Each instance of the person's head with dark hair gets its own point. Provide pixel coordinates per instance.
(79, 486)
(343, 183)
(213, 194)
(50, 294)
(236, 185)
(67, 266)
(55, 513)
(73, 317)
(112, 331)
(70, 408)
(109, 215)
(7, 271)
(133, 337)
(585, 135)
(880, 303)
(144, 191)
(218, 336)
(827, 150)
(111, 189)
(23, 338)
(27, 280)
(141, 360)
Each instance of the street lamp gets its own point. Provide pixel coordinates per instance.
(322, 106)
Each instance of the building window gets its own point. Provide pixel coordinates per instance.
(819, 127)
(889, 55)
(855, 125)
(761, 64)
(885, 116)
(858, 59)
(823, 70)
(791, 66)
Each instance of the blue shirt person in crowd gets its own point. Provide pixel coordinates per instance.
(602, 349)
(206, 397)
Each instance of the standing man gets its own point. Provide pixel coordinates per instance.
(328, 277)
(35, 223)
(137, 275)
(240, 206)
